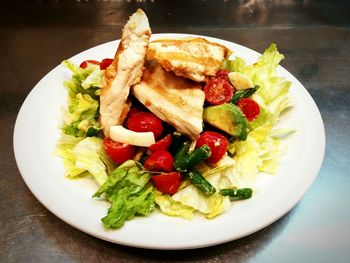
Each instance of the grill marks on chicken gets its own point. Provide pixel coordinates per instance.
(125, 71)
(193, 58)
(169, 86)
(175, 100)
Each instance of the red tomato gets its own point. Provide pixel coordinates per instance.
(162, 144)
(249, 107)
(222, 74)
(84, 64)
(217, 143)
(218, 91)
(118, 152)
(105, 63)
(167, 183)
(133, 110)
(145, 122)
(160, 161)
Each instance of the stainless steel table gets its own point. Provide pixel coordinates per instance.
(35, 36)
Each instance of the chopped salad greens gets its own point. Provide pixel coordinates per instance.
(206, 175)
(130, 193)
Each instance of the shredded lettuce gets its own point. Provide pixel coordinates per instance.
(128, 187)
(90, 156)
(94, 79)
(81, 119)
(84, 156)
(129, 192)
(273, 92)
(64, 149)
(262, 149)
(212, 205)
(171, 207)
(81, 81)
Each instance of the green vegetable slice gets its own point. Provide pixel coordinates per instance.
(243, 94)
(130, 193)
(185, 161)
(200, 182)
(237, 194)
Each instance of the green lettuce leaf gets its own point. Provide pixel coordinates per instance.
(262, 149)
(94, 79)
(81, 119)
(90, 156)
(273, 91)
(282, 132)
(84, 156)
(129, 192)
(171, 207)
(246, 160)
(85, 81)
(214, 204)
(64, 149)
(269, 155)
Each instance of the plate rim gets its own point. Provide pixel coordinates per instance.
(150, 245)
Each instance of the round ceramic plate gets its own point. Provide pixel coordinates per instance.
(36, 134)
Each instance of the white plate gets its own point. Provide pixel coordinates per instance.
(36, 133)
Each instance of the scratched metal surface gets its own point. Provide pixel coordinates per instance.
(313, 35)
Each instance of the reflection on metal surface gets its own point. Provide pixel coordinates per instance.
(46, 31)
(177, 13)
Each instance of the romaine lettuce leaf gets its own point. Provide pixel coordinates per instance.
(129, 192)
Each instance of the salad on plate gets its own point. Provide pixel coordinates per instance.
(180, 125)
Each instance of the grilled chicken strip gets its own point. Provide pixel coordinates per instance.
(193, 58)
(125, 71)
(175, 100)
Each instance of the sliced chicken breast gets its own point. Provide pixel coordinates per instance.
(193, 58)
(125, 71)
(175, 100)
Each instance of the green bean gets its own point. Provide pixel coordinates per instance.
(185, 161)
(176, 142)
(200, 182)
(183, 150)
(237, 194)
(92, 131)
(243, 94)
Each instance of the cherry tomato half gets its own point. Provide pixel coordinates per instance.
(84, 64)
(222, 74)
(249, 107)
(105, 63)
(133, 110)
(167, 183)
(162, 144)
(145, 122)
(160, 161)
(217, 143)
(218, 90)
(118, 152)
